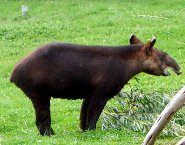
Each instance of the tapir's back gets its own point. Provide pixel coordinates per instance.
(56, 55)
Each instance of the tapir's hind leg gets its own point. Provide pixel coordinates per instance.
(43, 118)
(83, 115)
(95, 108)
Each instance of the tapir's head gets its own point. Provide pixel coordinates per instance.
(155, 61)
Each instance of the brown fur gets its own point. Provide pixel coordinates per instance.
(92, 73)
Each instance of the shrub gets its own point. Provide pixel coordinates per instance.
(137, 111)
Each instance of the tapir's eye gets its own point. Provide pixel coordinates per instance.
(161, 58)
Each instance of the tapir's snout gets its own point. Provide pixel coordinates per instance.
(176, 69)
(172, 64)
(178, 72)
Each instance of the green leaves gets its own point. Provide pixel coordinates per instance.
(137, 111)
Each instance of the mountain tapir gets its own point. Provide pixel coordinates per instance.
(92, 73)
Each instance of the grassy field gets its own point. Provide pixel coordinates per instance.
(85, 22)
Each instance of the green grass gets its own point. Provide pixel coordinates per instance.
(85, 22)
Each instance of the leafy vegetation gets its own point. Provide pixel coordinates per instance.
(137, 111)
(85, 22)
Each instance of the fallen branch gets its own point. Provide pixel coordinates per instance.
(180, 42)
(181, 142)
(182, 10)
(175, 104)
(149, 16)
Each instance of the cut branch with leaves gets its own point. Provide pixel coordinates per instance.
(135, 110)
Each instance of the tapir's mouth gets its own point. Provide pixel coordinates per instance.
(167, 73)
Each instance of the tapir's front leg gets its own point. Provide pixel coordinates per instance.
(95, 108)
(83, 115)
(43, 118)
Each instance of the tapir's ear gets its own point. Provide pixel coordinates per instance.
(134, 40)
(149, 45)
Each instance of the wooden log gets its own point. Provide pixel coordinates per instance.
(173, 106)
(181, 142)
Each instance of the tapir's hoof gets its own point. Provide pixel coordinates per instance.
(48, 132)
(81, 130)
